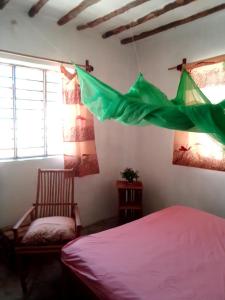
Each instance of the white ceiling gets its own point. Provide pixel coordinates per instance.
(55, 9)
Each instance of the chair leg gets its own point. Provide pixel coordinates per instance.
(21, 267)
(65, 282)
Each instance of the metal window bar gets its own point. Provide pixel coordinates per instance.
(45, 112)
(14, 109)
(31, 147)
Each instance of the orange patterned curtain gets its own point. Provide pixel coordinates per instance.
(199, 149)
(209, 75)
(78, 130)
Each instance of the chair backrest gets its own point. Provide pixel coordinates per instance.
(55, 193)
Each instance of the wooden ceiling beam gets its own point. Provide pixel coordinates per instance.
(3, 3)
(165, 27)
(76, 11)
(112, 14)
(148, 17)
(36, 7)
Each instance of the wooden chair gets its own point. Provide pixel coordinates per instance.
(55, 197)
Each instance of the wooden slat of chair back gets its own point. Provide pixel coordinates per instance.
(55, 193)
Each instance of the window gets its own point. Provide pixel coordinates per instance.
(30, 111)
(199, 149)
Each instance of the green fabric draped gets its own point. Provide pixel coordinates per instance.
(145, 104)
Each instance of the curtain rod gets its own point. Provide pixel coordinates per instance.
(87, 66)
(199, 63)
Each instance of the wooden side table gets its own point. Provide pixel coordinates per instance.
(130, 200)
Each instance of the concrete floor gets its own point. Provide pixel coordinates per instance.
(45, 274)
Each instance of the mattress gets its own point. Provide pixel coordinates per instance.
(174, 254)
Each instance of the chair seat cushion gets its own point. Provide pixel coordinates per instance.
(50, 230)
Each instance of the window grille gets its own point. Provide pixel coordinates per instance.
(30, 112)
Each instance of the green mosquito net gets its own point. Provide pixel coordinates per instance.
(145, 104)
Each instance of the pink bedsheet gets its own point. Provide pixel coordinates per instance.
(175, 254)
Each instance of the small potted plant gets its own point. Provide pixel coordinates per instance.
(129, 174)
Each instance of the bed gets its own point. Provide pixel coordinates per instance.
(177, 253)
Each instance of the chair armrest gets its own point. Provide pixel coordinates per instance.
(21, 221)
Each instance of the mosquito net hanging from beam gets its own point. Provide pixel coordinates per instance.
(145, 104)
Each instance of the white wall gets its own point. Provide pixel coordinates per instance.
(167, 184)
(113, 63)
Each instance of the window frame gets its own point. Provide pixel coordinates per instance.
(44, 69)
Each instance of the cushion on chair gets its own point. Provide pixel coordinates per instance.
(50, 230)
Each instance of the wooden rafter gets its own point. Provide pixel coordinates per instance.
(36, 7)
(3, 3)
(194, 17)
(112, 14)
(149, 16)
(76, 11)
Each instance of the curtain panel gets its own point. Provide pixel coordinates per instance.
(199, 149)
(78, 129)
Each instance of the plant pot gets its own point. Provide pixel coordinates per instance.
(130, 180)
